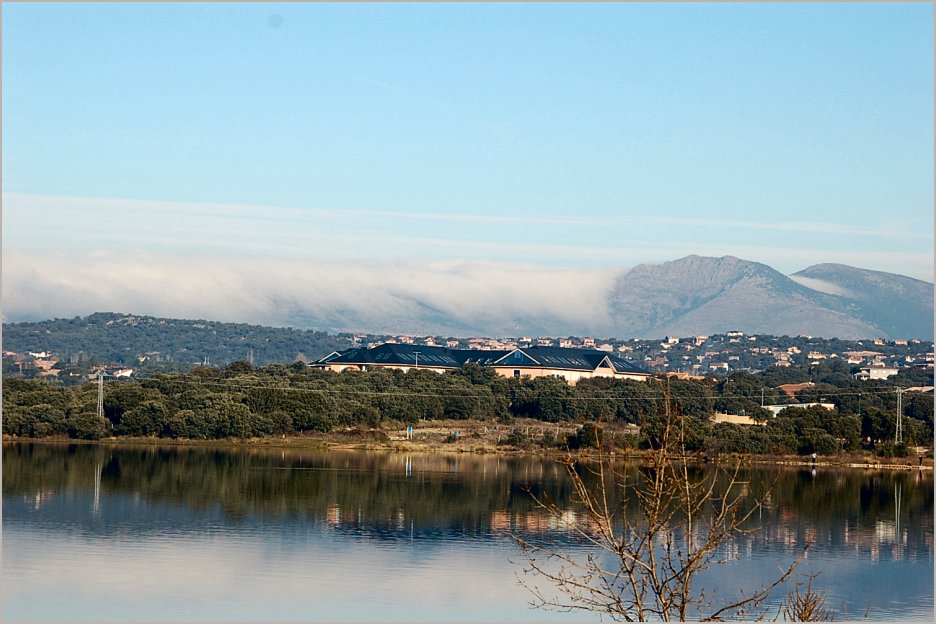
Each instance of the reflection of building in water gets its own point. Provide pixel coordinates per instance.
(42, 497)
(500, 521)
(885, 531)
(536, 522)
(786, 535)
(732, 550)
(889, 538)
(810, 534)
(897, 553)
(333, 515)
(883, 538)
(539, 521)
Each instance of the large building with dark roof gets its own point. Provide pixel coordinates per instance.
(572, 365)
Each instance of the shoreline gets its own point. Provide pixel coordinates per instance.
(341, 442)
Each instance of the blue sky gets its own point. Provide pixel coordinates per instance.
(563, 137)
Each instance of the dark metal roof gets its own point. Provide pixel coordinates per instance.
(443, 357)
(578, 359)
(559, 357)
(623, 366)
(484, 357)
(398, 354)
(329, 357)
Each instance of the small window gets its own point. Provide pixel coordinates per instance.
(516, 372)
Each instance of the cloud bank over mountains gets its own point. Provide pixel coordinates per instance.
(443, 297)
(689, 296)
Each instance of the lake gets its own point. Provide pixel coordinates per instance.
(129, 533)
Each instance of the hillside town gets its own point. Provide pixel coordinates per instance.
(719, 354)
(680, 356)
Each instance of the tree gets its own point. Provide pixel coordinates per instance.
(642, 563)
(238, 367)
(878, 426)
(589, 435)
(237, 421)
(187, 424)
(551, 400)
(119, 398)
(476, 374)
(46, 420)
(88, 426)
(148, 419)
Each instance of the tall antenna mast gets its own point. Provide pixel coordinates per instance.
(898, 436)
(100, 394)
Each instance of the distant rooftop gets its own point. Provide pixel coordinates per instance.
(445, 357)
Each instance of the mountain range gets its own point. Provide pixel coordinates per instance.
(703, 295)
(690, 296)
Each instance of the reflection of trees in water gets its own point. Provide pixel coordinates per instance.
(395, 495)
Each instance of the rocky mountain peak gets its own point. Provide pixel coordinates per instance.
(704, 295)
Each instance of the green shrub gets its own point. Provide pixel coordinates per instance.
(589, 435)
(519, 439)
(88, 426)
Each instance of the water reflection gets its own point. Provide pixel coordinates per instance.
(871, 532)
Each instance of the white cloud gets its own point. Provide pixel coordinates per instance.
(368, 270)
(444, 297)
(821, 285)
(475, 296)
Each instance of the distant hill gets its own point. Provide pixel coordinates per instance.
(703, 295)
(122, 337)
(899, 306)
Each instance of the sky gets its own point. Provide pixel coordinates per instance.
(300, 163)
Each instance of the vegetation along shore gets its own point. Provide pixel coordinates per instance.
(831, 419)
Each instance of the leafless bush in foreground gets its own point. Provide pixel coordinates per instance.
(642, 565)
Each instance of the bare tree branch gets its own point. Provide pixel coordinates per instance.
(641, 554)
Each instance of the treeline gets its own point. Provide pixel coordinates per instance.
(121, 338)
(240, 401)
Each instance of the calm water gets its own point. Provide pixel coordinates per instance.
(103, 534)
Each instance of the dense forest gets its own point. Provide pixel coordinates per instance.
(240, 401)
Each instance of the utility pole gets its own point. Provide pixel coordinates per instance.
(416, 353)
(898, 436)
